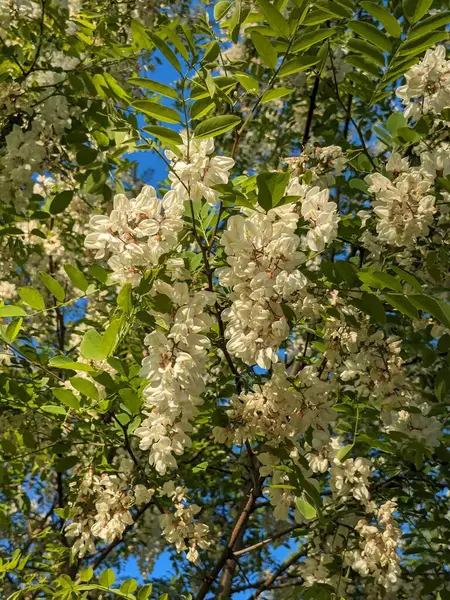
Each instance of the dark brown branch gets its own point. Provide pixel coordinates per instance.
(312, 106)
(274, 537)
(236, 535)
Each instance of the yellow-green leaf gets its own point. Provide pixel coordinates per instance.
(265, 49)
(31, 297)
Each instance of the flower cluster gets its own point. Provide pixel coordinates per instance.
(377, 554)
(110, 499)
(278, 411)
(427, 88)
(194, 175)
(175, 366)
(263, 258)
(180, 528)
(136, 233)
(404, 206)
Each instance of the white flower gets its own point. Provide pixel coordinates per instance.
(137, 233)
(262, 254)
(322, 218)
(404, 207)
(194, 175)
(427, 88)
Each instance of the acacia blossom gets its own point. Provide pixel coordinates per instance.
(174, 365)
(179, 527)
(427, 88)
(263, 256)
(136, 233)
(194, 175)
(110, 499)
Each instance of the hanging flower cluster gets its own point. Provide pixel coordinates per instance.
(175, 366)
(110, 499)
(136, 233)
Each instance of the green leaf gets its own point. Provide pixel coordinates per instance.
(200, 467)
(221, 9)
(165, 51)
(442, 384)
(389, 22)
(408, 278)
(429, 305)
(305, 508)
(157, 111)
(300, 63)
(414, 10)
(128, 586)
(212, 51)
(86, 574)
(394, 122)
(31, 297)
(176, 41)
(407, 134)
(418, 45)
(66, 397)
(11, 311)
(155, 86)
(274, 18)
(91, 346)
(65, 463)
(131, 400)
(367, 49)
(271, 188)
(371, 305)
(202, 107)
(146, 590)
(358, 184)
(215, 126)
(369, 32)
(53, 409)
(247, 82)
(164, 134)
(380, 280)
(124, 298)
(64, 362)
(86, 156)
(12, 331)
(110, 337)
(432, 23)
(275, 94)
(107, 578)
(401, 303)
(308, 39)
(334, 8)
(117, 90)
(344, 451)
(76, 277)
(365, 65)
(162, 303)
(140, 37)
(314, 17)
(53, 286)
(265, 50)
(60, 202)
(85, 387)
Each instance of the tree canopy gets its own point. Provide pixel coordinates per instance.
(243, 363)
